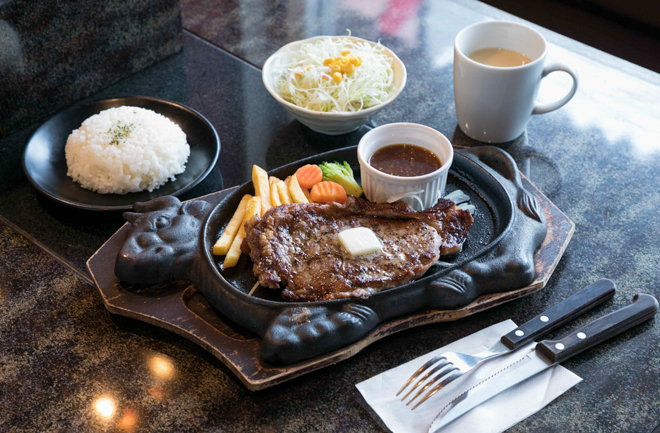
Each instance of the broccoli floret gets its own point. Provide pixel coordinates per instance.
(343, 175)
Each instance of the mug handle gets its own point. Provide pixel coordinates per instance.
(552, 106)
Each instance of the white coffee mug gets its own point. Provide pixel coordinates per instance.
(494, 104)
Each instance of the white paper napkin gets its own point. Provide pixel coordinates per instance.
(493, 416)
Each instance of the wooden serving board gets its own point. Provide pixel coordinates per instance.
(180, 308)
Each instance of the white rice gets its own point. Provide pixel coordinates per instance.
(126, 149)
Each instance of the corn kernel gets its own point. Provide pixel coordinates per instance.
(348, 68)
(345, 52)
(336, 77)
(358, 60)
(335, 67)
(326, 62)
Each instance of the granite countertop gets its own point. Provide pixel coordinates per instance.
(66, 364)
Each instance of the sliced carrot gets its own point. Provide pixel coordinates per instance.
(309, 175)
(326, 192)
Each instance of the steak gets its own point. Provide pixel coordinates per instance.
(296, 245)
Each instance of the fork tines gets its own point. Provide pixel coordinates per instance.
(447, 375)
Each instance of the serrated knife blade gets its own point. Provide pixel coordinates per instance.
(518, 371)
(567, 310)
(548, 353)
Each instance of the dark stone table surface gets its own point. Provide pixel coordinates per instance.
(66, 364)
(53, 55)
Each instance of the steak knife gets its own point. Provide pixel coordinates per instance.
(547, 354)
(567, 310)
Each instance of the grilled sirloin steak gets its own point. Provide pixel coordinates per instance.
(296, 246)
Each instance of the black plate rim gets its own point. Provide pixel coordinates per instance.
(100, 208)
(217, 275)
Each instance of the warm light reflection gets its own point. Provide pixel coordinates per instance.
(105, 407)
(161, 367)
(157, 393)
(127, 422)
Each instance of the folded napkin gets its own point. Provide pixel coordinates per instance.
(495, 415)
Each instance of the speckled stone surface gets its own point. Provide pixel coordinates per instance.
(55, 53)
(597, 158)
(66, 364)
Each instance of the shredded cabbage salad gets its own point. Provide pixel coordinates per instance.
(302, 79)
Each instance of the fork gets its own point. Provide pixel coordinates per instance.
(452, 365)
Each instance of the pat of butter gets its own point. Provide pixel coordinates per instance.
(359, 241)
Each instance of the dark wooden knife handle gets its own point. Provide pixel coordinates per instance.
(567, 310)
(643, 308)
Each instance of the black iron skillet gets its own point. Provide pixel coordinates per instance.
(493, 259)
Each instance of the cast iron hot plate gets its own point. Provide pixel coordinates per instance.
(509, 227)
(45, 165)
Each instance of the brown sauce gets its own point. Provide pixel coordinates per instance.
(406, 160)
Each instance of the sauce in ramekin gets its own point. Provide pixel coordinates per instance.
(405, 160)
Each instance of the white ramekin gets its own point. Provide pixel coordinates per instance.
(421, 192)
(330, 123)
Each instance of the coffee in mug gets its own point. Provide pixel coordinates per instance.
(494, 102)
(500, 57)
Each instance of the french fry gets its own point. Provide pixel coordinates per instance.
(234, 253)
(296, 192)
(222, 245)
(274, 195)
(307, 195)
(284, 192)
(261, 190)
(252, 208)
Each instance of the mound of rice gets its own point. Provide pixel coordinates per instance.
(126, 149)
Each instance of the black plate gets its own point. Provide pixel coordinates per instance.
(44, 162)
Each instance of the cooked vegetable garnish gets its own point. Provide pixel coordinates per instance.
(343, 175)
(252, 208)
(309, 175)
(328, 192)
(336, 74)
(468, 207)
(222, 246)
(458, 197)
